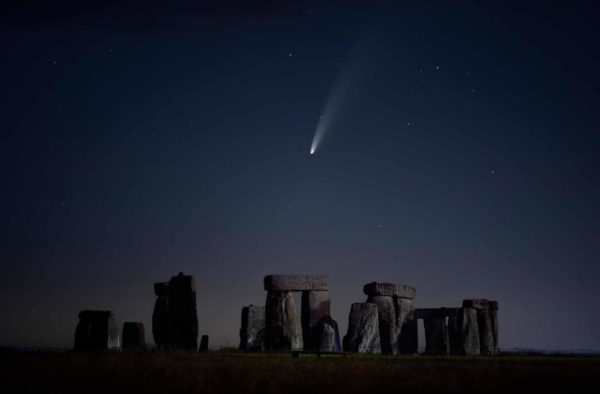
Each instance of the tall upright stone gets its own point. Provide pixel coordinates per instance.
(316, 311)
(487, 321)
(97, 330)
(395, 306)
(464, 332)
(436, 336)
(183, 317)
(252, 332)
(282, 322)
(388, 324)
(175, 319)
(363, 329)
(134, 336)
(160, 315)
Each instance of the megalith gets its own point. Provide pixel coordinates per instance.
(328, 336)
(315, 309)
(363, 329)
(203, 344)
(134, 336)
(463, 330)
(96, 330)
(160, 315)
(175, 319)
(395, 307)
(282, 322)
(252, 332)
(487, 321)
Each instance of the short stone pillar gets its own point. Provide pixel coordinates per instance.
(97, 330)
(175, 319)
(487, 321)
(252, 332)
(134, 336)
(282, 322)
(203, 344)
(363, 329)
(395, 307)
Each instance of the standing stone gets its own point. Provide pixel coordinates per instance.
(316, 309)
(134, 336)
(252, 332)
(363, 329)
(160, 315)
(97, 330)
(329, 336)
(487, 321)
(388, 324)
(463, 332)
(204, 344)
(494, 317)
(395, 303)
(436, 335)
(407, 337)
(486, 332)
(183, 318)
(408, 341)
(282, 323)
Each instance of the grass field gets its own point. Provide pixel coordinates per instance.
(232, 372)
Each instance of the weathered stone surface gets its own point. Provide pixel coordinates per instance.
(389, 289)
(97, 330)
(388, 324)
(487, 319)
(160, 315)
(316, 308)
(363, 329)
(494, 317)
(329, 336)
(480, 304)
(134, 336)
(295, 282)
(283, 330)
(183, 318)
(203, 344)
(463, 332)
(175, 320)
(486, 332)
(436, 336)
(252, 333)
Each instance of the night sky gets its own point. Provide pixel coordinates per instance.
(140, 140)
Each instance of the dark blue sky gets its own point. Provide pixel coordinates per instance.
(142, 140)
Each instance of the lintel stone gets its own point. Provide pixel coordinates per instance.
(389, 289)
(480, 304)
(295, 282)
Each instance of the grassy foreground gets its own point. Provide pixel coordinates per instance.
(229, 372)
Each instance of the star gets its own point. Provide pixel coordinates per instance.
(492, 172)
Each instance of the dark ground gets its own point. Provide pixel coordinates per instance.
(232, 372)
